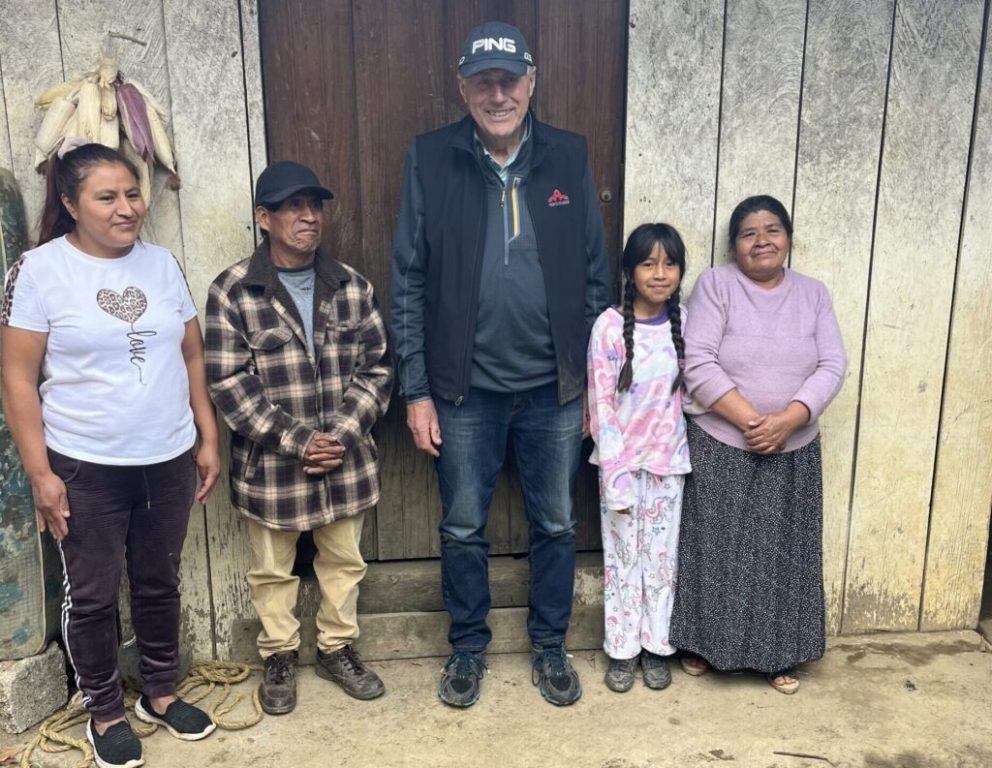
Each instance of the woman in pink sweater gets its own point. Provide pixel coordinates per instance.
(764, 358)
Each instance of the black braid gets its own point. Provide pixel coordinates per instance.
(627, 372)
(675, 318)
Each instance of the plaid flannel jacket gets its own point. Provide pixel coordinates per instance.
(274, 396)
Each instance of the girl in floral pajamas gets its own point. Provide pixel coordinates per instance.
(636, 357)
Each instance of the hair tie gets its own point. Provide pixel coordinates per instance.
(681, 364)
(70, 143)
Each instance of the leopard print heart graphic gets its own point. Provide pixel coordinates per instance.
(127, 306)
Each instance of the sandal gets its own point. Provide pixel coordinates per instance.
(784, 681)
(694, 665)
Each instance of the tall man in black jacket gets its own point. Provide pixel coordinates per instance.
(499, 270)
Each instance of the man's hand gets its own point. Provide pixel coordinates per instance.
(51, 505)
(323, 454)
(421, 418)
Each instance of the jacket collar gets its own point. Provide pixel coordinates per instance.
(463, 137)
(262, 272)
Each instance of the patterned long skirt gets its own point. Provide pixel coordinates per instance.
(750, 574)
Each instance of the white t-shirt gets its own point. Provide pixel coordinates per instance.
(115, 388)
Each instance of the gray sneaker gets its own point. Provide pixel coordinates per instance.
(461, 678)
(346, 668)
(656, 672)
(620, 675)
(554, 675)
(277, 691)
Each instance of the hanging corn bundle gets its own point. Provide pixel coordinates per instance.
(108, 108)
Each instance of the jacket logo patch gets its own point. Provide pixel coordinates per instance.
(557, 198)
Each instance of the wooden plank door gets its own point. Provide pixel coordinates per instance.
(348, 84)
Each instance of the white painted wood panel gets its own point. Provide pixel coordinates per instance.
(32, 61)
(762, 68)
(674, 50)
(924, 157)
(206, 71)
(959, 516)
(845, 71)
(255, 107)
(5, 153)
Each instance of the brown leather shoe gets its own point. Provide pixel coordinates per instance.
(277, 691)
(347, 669)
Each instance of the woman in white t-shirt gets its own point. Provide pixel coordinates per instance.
(106, 323)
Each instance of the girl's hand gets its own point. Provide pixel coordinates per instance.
(51, 505)
(208, 468)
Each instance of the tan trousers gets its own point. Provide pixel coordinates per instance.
(339, 567)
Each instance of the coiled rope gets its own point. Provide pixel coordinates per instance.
(199, 684)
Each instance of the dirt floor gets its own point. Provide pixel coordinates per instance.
(881, 701)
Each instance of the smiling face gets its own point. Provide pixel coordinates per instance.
(294, 229)
(655, 280)
(498, 102)
(108, 211)
(761, 248)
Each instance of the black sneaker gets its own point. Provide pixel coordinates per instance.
(346, 668)
(554, 676)
(461, 678)
(182, 720)
(277, 691)
(656, 672)
(117, 748)
(620, 675)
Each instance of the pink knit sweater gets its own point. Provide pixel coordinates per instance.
(774, 346)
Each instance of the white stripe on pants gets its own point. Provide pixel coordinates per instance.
(640, 559)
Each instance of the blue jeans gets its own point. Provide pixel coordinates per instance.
(547, 439)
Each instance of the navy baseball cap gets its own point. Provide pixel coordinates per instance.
(284, 179)
(495, 45)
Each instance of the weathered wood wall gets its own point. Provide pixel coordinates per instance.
(201, 60)
(870, 118)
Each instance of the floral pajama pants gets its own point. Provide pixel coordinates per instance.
(640, 560)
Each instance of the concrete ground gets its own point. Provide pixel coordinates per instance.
(880, 701)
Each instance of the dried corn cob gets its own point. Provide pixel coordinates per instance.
(52, 128)
(134, 120)
(88, 111)
(144, 171)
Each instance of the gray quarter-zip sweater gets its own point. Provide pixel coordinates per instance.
(513, 348)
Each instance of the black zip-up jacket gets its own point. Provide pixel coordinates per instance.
(438, 252)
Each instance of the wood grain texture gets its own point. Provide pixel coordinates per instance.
(251, 54)
(920, 197)
(134, 31)
(206, 75)
(417, 635)
(32, 62)
(673, 118)
(846, 67)
(761, 86)
(581, 46)
(959, 515)
(397, 96)
(5, 151)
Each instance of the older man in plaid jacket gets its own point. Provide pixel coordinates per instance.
(297, 365)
